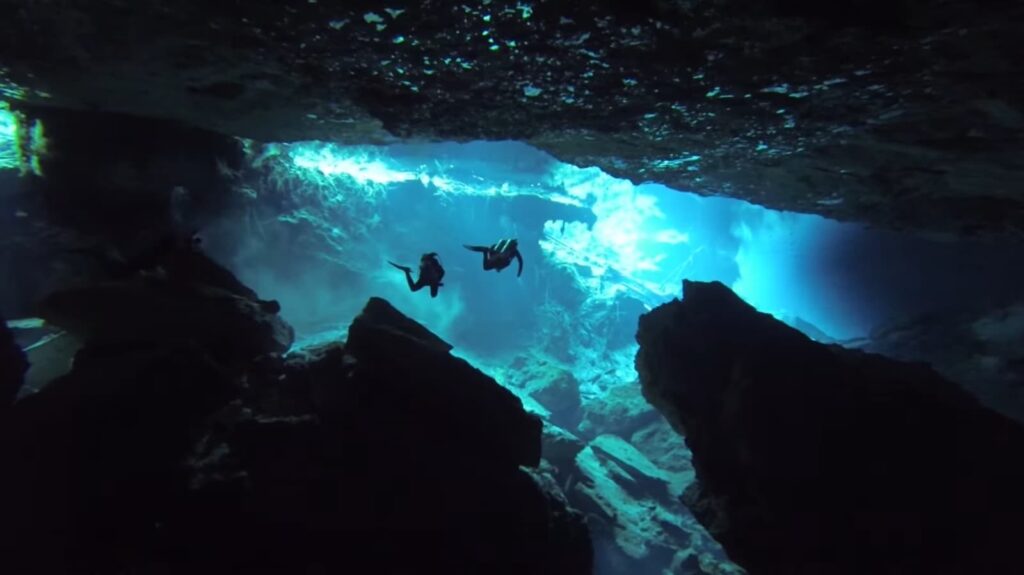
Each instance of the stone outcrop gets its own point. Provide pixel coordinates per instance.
(903, 115)
(818, 459)
(176, 295)
(981, 350)
(384, 453)
(550, 384)
(154, 311)
(12, 366)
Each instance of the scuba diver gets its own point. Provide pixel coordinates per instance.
(498, 256)
(431, 273)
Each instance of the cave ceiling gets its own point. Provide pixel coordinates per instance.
(905, 114)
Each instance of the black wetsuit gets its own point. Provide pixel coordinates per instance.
(500, 255)
(431, 274)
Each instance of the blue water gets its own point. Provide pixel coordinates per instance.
(598, 251)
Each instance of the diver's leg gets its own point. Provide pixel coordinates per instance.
(408, 276)
(482, 249)
(414, 286)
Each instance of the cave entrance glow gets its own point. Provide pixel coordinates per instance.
(599, 251)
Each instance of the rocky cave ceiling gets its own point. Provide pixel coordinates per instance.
(900, 113)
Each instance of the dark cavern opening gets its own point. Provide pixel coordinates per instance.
(763, 313)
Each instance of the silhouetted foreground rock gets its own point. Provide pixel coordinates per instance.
(143, 310)
(382, 455)
(983, 350)
(818, 459)
(176, 295)
(12, 366)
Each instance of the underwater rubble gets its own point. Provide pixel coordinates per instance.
(813, 458)
(624, 468)
(190, 444)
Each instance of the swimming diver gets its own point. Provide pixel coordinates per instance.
(431, 273)
(498, 256)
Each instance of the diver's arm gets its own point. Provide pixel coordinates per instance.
(519, 258)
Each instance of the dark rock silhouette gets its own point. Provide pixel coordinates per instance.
(982, 350)
(819, 459)
(385, 454)
(177, 296)
(124, 177)
(153, 311)
(12, 367)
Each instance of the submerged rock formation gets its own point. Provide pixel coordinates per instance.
(621, 466)
(634, 514)
(902, 114)
(981, 350)
(818, 459)
(384, 453)
(176, 296)
(12, 366)
(116, 192)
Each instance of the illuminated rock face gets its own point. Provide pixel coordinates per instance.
(902, 115)
(818, 459)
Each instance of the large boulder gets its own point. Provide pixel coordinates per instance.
(144, 309)
(386, 453)
(12, 366)
(393, 453)
(92, 463)
(400, 368)
(817, 459)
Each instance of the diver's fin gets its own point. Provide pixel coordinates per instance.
(476, 248)
(403, 268)
(26, 323)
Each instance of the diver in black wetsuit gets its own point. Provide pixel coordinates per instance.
(431, 274)
(498, 256)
